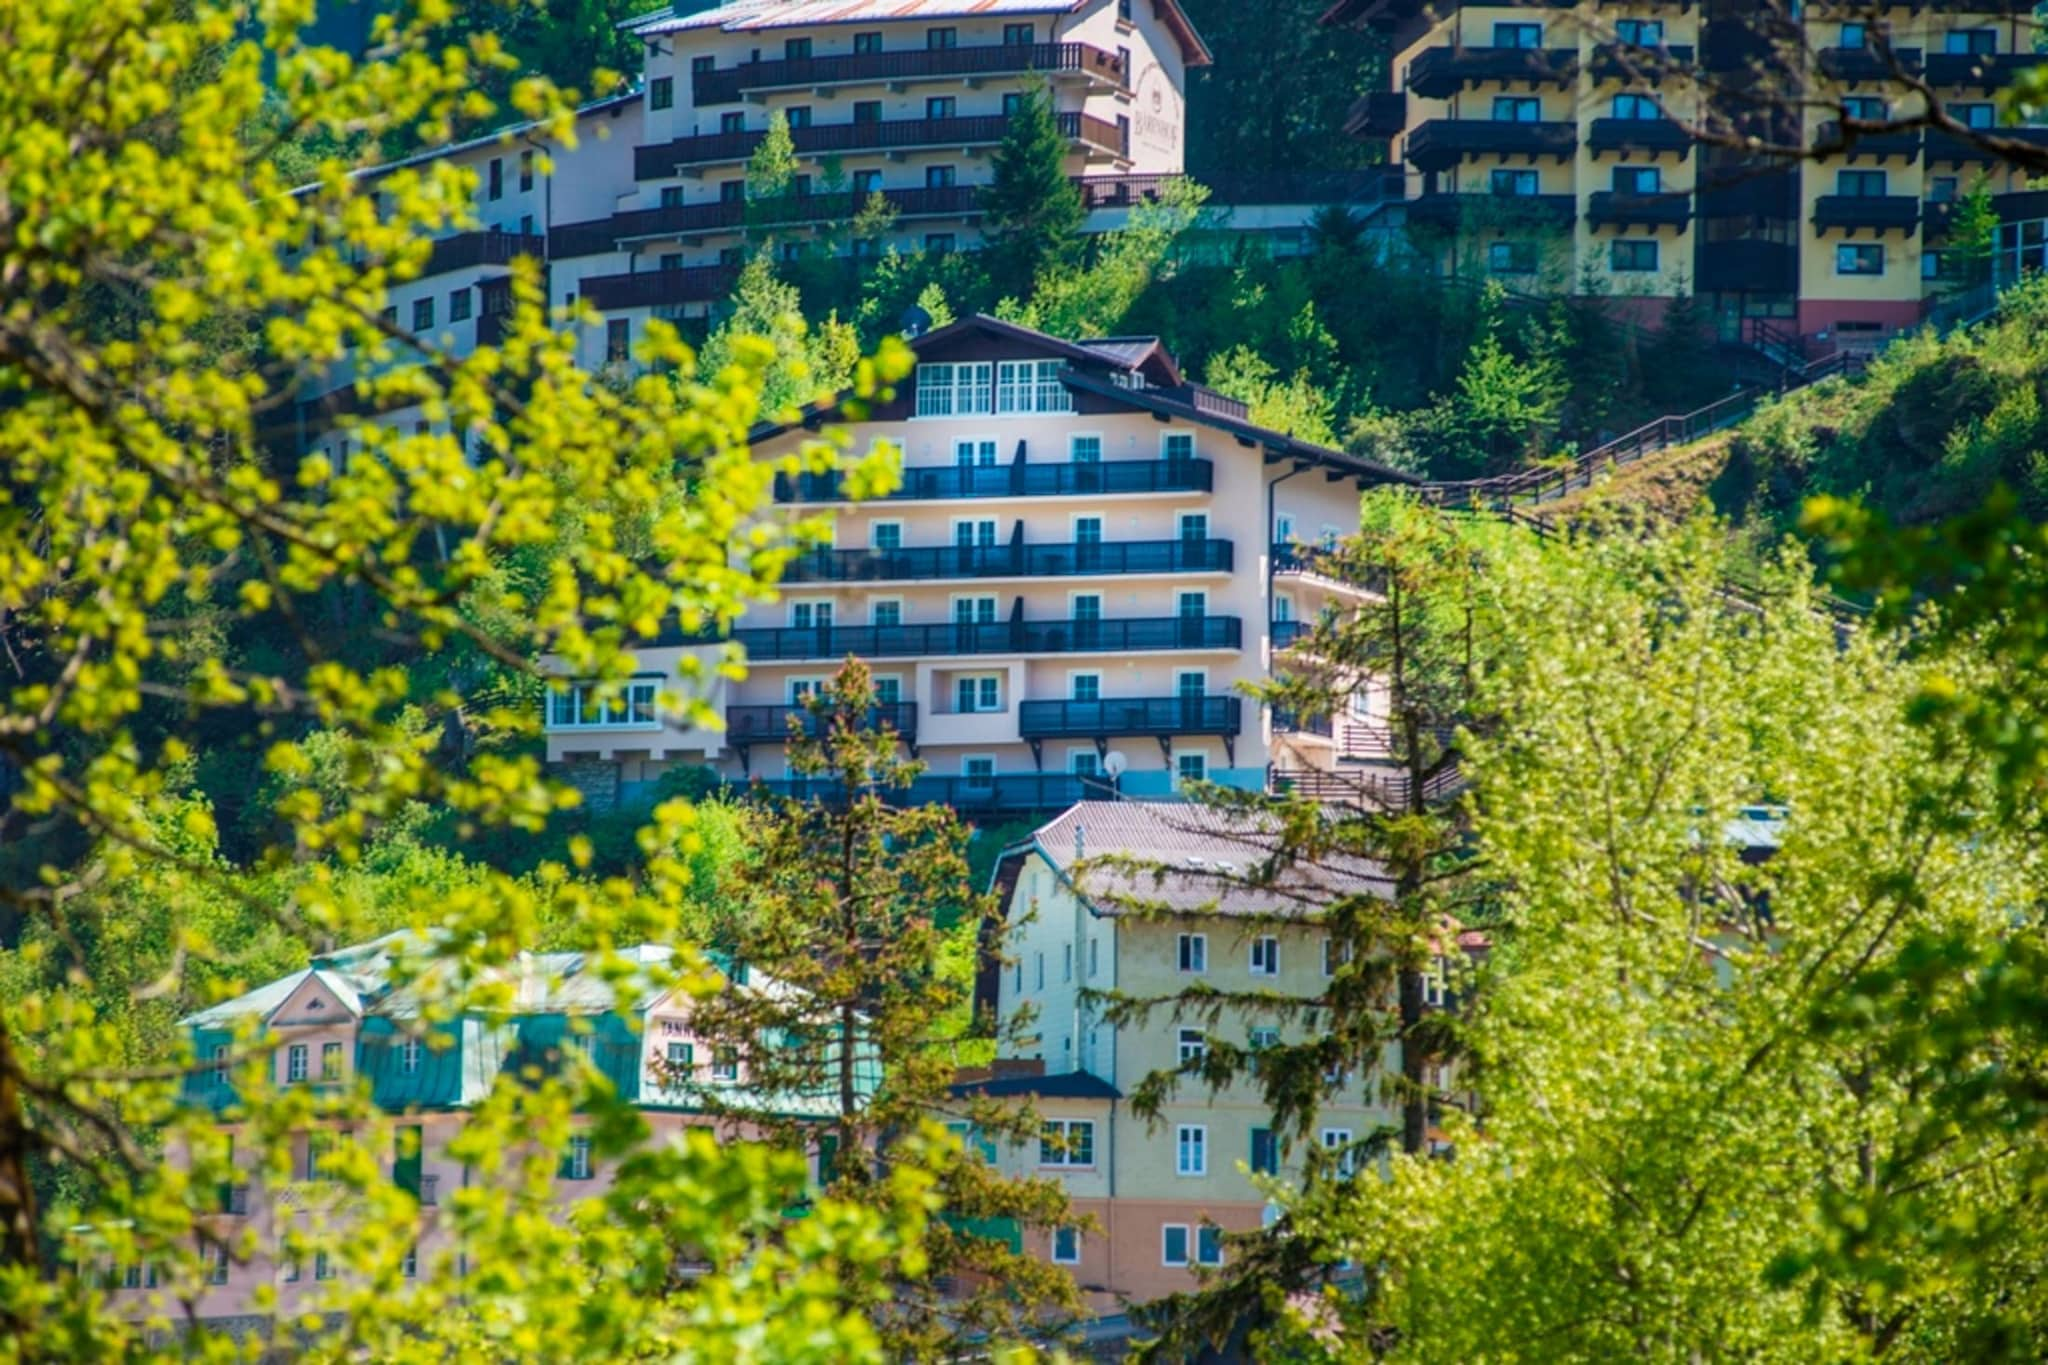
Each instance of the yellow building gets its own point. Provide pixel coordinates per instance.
(1560, 147)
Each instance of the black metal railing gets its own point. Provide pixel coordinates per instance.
(1015, 792)
(772, 724)
(724, 87)
(1019, 480)
(1067, 560)
(661, 160)
(1286, 633)
(1287, 722)
(1192, 715)
(1115, 635)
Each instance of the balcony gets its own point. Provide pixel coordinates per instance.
(1287, 633)
(728, 215)
(1052, 59)
(1462, 211)
(1072, 559)
(942, 638)
(771, 724)
(653, 288)
(665, 159)
(1852, 64)
(1943, 147)
(1609, 208)
(1133, 716)
(1441, 72)
(1022, 480)
(1383, 113)
(1882, 212)
(1652, 135)
(1014, 793)
(1627, 61)
(1442, 143)
(1978, 70)
(1883, 146)
(483, 248)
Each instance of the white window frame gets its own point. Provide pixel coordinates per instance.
(874, 527)
(977, 447)
(975, 618)
(830, 604)
(1180, 593)
(1212, 1234)
(994, 525)
(967, 761)
(298, 1058)
(1074, 439)
(979, 679)
(727, 1067)
(1073, 1254)
(1169, 439)
(1187, 1246)
(1191, 1150)
(409, 1056)
(1335, 1138)
(1335, 954)
(894, 680)
(1187, 1048)
(1075, 674)
(1074, 520)
(579, 1157)
(1030, 387)
(1079, 754)
(800, 688)
(1063, 1159)
(1267, 947)
(1191, 949)
(1181, 759)
(957, 389)
(576, 707)
(875, 602)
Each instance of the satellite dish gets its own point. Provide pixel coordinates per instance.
(1114, 763)
(914, 323)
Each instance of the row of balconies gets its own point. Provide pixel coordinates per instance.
(1955, 70)
(684, 154)
(1070, 559)
(910, 64)
(1608, 208)
(1084, 635)
(1020, 479)
(1440, 72)
(1063, 719)
(1011, 793)
(1442, 143)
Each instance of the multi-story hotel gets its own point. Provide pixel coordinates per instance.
(1553, 143)
(1087, 555)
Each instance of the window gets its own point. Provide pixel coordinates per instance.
(295, 1063)
(671, 196)
(322, 1268)
(579, 707)
(217, 1265)
(1094, 957)
(526, 173)
(1861, 184)
(864, 43)
(1191, 1046)
(1266, 955)
(497, 177)
(1869, 108)
(459, 306)
(1638, 180)
(1859, 258)
(1335, 954)
(799, 116)
(979, 774)
(945, 390)
(1265, 1159)
(725, 1064)
(1193, 953)
(1942, 189)
(661, 92)
(1040, 966)
(1930, 265)
(811, 615)
(1513, 182)
(941, 106)
(1635, 106)
(732, 122)
(409, 1056)
(1173, 1244)
(1339, 1140)
(682, 1056)
(796, 49)
(866, 183)
(1191, 767)
(1194, 526)
(1522, 36)
(1262, 1039)
(422, 314)
(576, 1165)
(1066, 1246)
(939, 177)
(1020, 976)
(291, 1271)
(1123, 11)
(1066, 1142)
(1640, 32)
(618, 339)
(1084, 449)
(1511, 258)
(1517, 109)
(1208, 1245)
(1177, 447)
(1974, 42)
(1086, 686)
(1019, 35)
(969, 611)
(867, 111)
(1855, 37)
(1088, 531)
(1628, 255)
(1066, 962)
(887, 612)
(410, 1266)
(1031, 386)
(1191, 1150)
(703, 65)
(941, 39)
(889, 690)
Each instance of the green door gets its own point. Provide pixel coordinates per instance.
(405, 1160)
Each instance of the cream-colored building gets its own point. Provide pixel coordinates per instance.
(1087, 555)
(1550, 146)
(1161, 1192)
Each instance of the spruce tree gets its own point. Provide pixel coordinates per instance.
(1033, 210)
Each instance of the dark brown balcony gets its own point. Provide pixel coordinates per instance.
(665, 159)
(1882, 212)
(1978, 70)
(1442, 143)
(1630, 61)
(1652, 135)
(911, 64)
(726, 215)
(1383, 113)
(1441, 72)
(1459, 212)
(1609, 208)
(1853, 64)
(1944, 147)
(483, 248)
(1902, 145)
(654, 288)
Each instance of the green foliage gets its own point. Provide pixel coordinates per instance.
(806, 364)
(1292, 405)
(1093, 300)
(1234, 121)
(1032, 210)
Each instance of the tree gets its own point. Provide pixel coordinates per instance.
(1504, 404)
(771, 176)
(848, 916)
(184, 575)
(1092, 300)
(1293, 405)
(1233, 121)
(803, 364)
(1031, 209)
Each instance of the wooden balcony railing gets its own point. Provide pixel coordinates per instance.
(1443, 142)
(911, 64)
(483, 248)
(651, 288)
(662, 160)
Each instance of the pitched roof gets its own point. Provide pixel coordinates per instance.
(754, 16)
(1072, 1085)
(1183, 858)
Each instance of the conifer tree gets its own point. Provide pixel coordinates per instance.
(1032, 209)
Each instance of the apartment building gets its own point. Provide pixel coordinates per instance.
(1551, 144)
(1086, 556)
(1164, 1193)
(350, 1020)
(906, 99)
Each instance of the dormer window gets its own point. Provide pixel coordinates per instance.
(1031, 386)
(946, 390)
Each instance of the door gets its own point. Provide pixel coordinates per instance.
(1194, 610)
(1191, 687)
(1087, 611)
(1087, 542)
(1194, 540)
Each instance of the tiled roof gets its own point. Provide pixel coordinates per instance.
(752, 16)
(1183, 858)
(1074, 1085)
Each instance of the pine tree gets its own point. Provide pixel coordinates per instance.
(854, 902)
(1033, 210)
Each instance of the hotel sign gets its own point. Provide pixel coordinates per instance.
(1156, 121)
